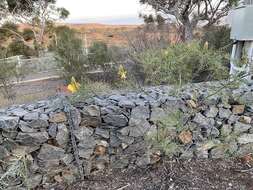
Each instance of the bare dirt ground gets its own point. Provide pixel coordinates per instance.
(175, 175)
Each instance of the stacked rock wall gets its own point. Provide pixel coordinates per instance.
(111, 131)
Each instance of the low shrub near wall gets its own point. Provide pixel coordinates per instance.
(52, 141)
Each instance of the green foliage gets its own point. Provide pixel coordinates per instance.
(7, 29)
(18, 47)
(28, 34)
(90, 89)
(183, 63)
(165, 137)
(218, 38)
(99, 54)
(70, 54)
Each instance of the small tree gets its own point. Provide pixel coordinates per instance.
(99, 54)
(36, 13)
(189, 13)
(70, 54)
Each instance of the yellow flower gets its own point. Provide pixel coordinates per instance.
(73, 86)
(122, 73)
(206, 45)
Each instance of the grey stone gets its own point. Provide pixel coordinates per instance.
(92, 111)
(4, 153)
(83, 132)
(32, 138)
(157, 114)
(202, 120)
(224, 113)
(140, 113)
(212, 112)
(87, 143)
(31, 116)
(39, 123)
(116, 120)
(19, 112)
(246, 98)
(67, 159)
(245, 139)
(52, 130)
(139, 128)
(226, 130)
(126, 104)
(143, 161)
(62, 136)
(241, 127)
(8, 123)
(34, 180)
(25, 128)
(85, 153)
(103, 133)
(115, 141)
(245, 149)
(50, 153)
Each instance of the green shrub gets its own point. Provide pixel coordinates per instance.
(18, 47)
(70, 54)
(218, 37)
(7, 30)
(183, 63)
(99, 54)
(28, 34)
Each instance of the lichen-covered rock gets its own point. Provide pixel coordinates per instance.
(51, 153)
(245, 139)
(116, 120)
(241, 127)
(62, 136)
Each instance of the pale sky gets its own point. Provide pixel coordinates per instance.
(102, 10)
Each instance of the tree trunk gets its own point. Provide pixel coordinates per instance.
(188, 31)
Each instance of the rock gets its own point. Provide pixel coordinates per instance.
(102, 143)
(226, 130)
(100, 150)
(143, 161)
(212, 112)
(52, 130)
(19, 112)
(138, 128)
(38, 124)
(202, 120)
(126, 104)
(91, 111)
(192, 104)
(185, 137)
(158, 114)
(34, 181)
(85, 153)
(246, 98)
(83, 132)
(224, 150)
(8, 123)
(58, 118)
(67, 159)
(116, 120)
(140, 113)
(238, 109)
(245, 149)
(245, 119)
(31, 139)
(114, 141)
(4, 153)
(102, 133)
(224, 113)
(31, 116)
(25, 128)
(241, 127)
(87, 143)
(49, 153)
(245, 139)
(24, 150)
(62, 136)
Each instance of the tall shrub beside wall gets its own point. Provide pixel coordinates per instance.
(183, 63)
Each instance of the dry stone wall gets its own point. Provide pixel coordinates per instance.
(111, 132)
